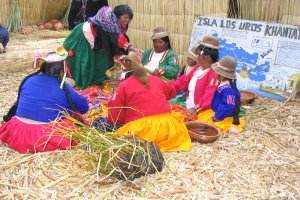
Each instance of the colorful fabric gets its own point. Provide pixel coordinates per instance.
(225, 101)
(102, 124)
(225, 125)
(87, 66)
(179, 99)
(31, 138)
(108, 21)
(168, 131)
(41, 99)
(169, 62)
(204, 90)
(134, 100)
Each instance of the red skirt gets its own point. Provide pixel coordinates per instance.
(25, 137)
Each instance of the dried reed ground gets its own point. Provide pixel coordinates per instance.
(262, 163)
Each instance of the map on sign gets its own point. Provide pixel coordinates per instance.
(267, 54)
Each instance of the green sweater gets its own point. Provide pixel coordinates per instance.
(169, 62)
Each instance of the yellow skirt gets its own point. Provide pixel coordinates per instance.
(225, 125)
(168, 131)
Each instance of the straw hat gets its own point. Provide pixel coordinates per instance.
(192, 54)
(159, 32)
(210, 42)
(226, 67)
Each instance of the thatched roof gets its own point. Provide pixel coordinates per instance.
(34, 11)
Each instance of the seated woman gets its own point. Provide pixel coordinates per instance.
(226, 101)
(42, 99)
(96, 42)
(201, 82)
(140, 104)
(161, 60)
(4, 38)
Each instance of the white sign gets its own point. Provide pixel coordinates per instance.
(268, 54)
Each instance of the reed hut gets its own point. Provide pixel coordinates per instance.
(286, 12)
(29, 12)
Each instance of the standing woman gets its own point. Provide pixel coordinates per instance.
(95, 43)
(161, 60)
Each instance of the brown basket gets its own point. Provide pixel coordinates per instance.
(247, 97)
(201, 132)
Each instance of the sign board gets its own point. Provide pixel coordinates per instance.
(268, 54)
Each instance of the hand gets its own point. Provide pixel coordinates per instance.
(158, 72)
(128, 46)
(192, 110)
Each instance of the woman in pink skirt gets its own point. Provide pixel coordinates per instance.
(42, 99)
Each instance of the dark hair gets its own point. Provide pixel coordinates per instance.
(53, 68)
(213, 53)
(166, 40)
(123, 10)
(137, 70)
(236, 119)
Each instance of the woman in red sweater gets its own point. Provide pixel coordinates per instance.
(201, 82)
(140, 104)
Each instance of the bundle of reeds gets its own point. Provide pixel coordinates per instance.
(124, 158)
(66, 15)
(15, 19)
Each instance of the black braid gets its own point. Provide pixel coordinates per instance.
(13, 109)
(236, 119)
(68, 95)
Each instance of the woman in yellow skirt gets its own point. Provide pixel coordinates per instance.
(226, 101)
(140, 105)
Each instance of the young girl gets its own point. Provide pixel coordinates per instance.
(191, 61)
(140, 105)
(226, 101)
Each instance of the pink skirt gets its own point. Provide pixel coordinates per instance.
(25, 137)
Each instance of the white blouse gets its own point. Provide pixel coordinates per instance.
(154, 62)
(87, 32)
(190, 101)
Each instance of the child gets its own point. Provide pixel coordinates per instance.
(226, 101)
(191, 60)
(4, 38)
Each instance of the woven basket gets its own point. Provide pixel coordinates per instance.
(202, 132)
(247, 97)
